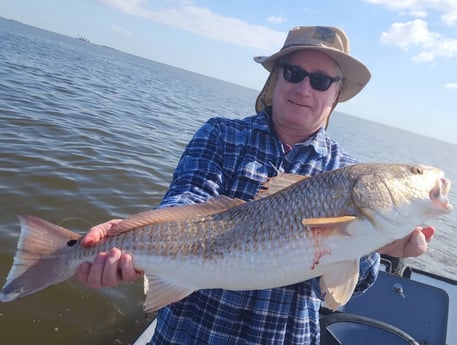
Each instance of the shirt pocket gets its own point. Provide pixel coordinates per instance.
(246, 179)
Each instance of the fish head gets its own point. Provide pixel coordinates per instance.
(400, 194)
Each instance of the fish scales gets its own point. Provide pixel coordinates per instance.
(293, 231)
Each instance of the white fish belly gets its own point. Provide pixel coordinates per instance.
(273, 266)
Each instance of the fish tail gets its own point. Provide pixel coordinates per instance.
(42, 258)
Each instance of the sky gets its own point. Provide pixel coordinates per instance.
(410, 46)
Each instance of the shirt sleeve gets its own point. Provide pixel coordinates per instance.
(199, 173)
(369, 268)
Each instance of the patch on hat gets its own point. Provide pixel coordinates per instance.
(324, 34)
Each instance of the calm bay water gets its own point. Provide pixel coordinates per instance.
(89, 133)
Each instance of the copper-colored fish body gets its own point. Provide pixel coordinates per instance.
(297, 229)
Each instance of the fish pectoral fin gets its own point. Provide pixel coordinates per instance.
(160, 293)
(216, 205)
(330, 226)
(338, 283)
(276, 183)
(327, 221)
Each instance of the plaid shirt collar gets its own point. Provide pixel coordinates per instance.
(318, 141)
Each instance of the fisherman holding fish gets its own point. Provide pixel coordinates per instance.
(308, 77)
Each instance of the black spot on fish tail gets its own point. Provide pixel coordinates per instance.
(71, 243)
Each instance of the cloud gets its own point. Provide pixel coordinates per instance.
(276, 20)
(416, 35)
(414, 13)
(185, 15)
(423, 57)
(449, 18)
(451, 86)
(413, 33)
(419, 8)
(120, 30)
(417, 5)
(127, 6)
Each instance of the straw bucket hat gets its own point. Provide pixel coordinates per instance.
(331, 41)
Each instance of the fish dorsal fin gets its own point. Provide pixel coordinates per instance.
(276, 183)
(327, 221)
(338, 283)
(216, 205)
(160, 293)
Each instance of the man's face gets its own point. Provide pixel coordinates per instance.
(299, 109)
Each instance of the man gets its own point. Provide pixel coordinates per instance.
(308, 77)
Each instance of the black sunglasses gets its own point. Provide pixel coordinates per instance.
(318, 81)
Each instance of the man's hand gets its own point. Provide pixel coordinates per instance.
(108, 269)
(415, 244)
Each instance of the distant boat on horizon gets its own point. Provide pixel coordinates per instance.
(83, 38)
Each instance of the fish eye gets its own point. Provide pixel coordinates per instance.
(417, 170)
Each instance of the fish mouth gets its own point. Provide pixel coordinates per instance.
(439, 194)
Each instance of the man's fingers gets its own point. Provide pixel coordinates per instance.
(95, 276)
(415, 244)
(82, 272)
(111, 275)
(418, 241)
(91, 238)
(428, 232)
(108, 269)
(127, 268)
(98, 232)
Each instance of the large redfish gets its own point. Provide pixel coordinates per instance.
(318, 226)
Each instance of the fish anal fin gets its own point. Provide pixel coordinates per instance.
(212, 206)
(338, 283)
(160, 293)
(276, 183)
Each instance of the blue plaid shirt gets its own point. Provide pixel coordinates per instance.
(233, 157)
